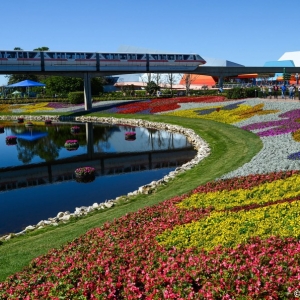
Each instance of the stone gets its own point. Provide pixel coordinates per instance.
(60, 214)
(65, 218)
(108, 204)
(30, 227)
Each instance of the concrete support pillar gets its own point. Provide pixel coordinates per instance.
(220, 81)
(89, 139)
(87, 91)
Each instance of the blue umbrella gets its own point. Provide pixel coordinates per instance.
(31, 136)
(26, 83)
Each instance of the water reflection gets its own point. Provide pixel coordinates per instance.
(37, 175)
(45, 143)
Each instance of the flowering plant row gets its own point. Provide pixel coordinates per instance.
(162, 105)
(123, 260)
(229, 114)
(270, 209)
(265, 192)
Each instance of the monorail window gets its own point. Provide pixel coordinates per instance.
(11, 54)
(60, 55)
(79, 56)
(179, 57)
(140, 56)
(186, 57)
(170, 57)
(2, 54)
(155, 56)
(49, 54)
(163, 56)
(131, 56)
(114, 56)
(88, 55)
(70, 55)
(105, 55)
(22, 55)
(34, 55)
(123, 56)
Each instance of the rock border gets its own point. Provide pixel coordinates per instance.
(199, 144)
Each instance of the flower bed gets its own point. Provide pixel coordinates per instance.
(71, 145)
(162, 104)
(133, 257)
(234, 238)
(11, 140)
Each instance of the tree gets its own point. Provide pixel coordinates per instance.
(41, 49)
(170, 81)
(146, 78)
(152, 88)
(14, 78)
(63, 85)
(188, 80)
(128, 89)
(97, 84)
(157, 78)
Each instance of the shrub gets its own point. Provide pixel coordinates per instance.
(235, 93)
(76, 97)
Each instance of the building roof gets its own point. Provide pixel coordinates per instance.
(293, 56)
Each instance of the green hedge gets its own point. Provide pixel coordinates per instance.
(76, 97)
(239, 93)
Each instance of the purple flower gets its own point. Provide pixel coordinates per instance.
(283, 126)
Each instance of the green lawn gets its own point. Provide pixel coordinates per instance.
(231, 147)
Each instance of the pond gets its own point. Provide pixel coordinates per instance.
(37, 169)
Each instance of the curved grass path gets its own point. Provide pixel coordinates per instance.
(230, 146)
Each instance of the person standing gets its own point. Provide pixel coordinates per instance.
(264, 90)
(270, 91)
(283, 89)
(291, 91)
(275, 88)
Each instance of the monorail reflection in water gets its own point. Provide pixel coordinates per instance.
(37, 174)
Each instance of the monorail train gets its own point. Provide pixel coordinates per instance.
(20, 60)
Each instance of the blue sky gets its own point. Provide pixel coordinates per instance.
(245, 32)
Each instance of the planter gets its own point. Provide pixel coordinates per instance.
(130, 136)
(71, 145)
(11, 140)
(75, 129)
(1, 129)
(48, 122)
(85, 174)
(85, 179)
(29, 124)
